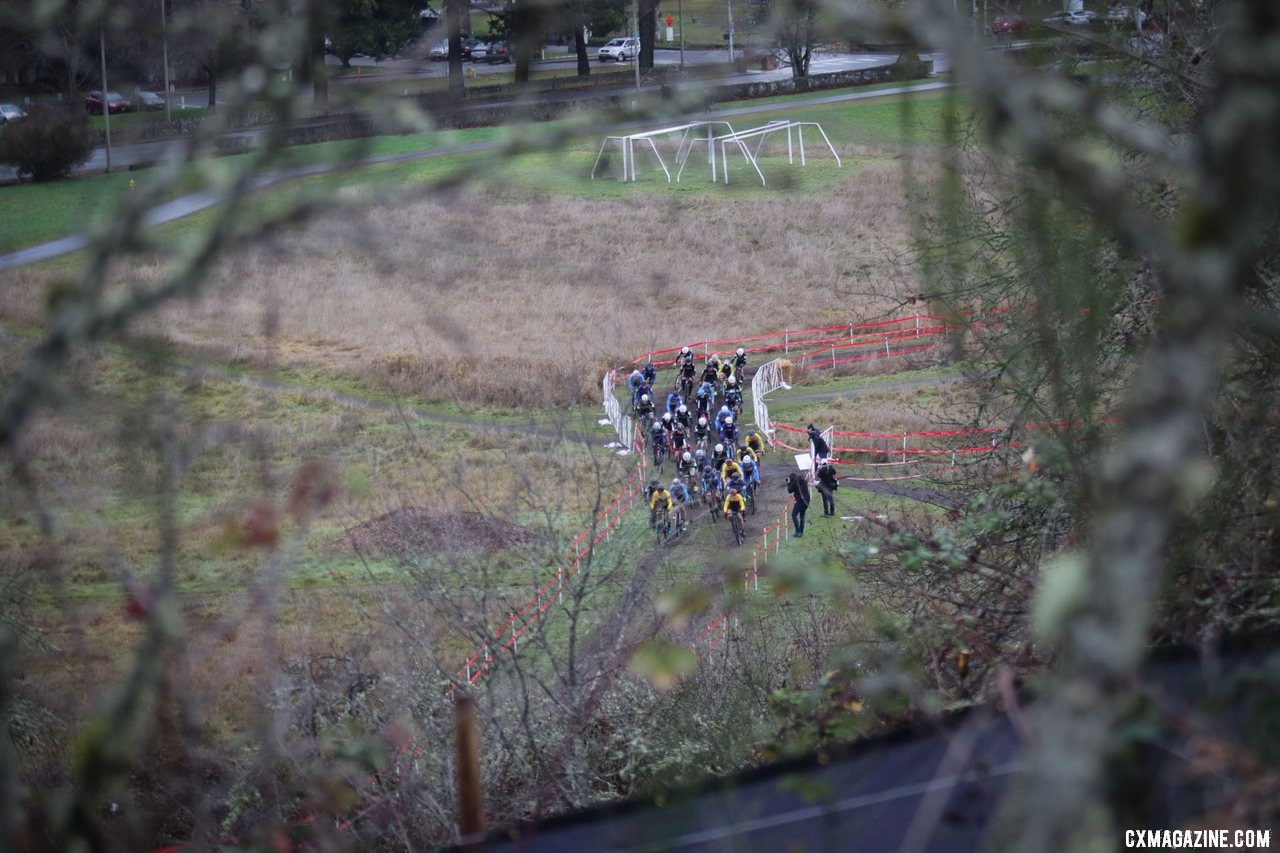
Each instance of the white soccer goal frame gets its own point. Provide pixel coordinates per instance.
(684, 146)
(760, 134)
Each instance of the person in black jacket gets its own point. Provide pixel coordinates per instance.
(820, 448)
(799, 489)
(827, 485)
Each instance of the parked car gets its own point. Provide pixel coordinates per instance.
(498, 52)
(620, 50)
(439, 50)
(116, 103)
(11, 112)
(150, 101)
(1005, 25)
(468, 45)
(479, 51)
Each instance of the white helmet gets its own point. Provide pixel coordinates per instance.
(724, 410)
(685, 351)
(741, 351)
(688, 457)
(666, 416)
(675, 482)
(733, 381)
(644, 398)
(700, 453)
(719, 448)
(728, 421)
(702, 421)
(684, 410)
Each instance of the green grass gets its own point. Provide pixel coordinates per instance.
(49, 211)
(125, 122)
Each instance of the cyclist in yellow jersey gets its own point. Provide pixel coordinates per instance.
(659, 498)
(734, 502)
(755, 441)
(729, 467)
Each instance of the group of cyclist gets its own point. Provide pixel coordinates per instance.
(701, 438)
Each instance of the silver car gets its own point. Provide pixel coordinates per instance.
(11, 112)
(620, 50)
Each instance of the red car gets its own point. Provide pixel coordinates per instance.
(1007, 25)
(116, 103)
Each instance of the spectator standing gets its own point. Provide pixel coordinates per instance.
(827, 485)
(799, 490)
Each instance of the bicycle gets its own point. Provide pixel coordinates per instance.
(662, 526)
(739, 534)
(659, 449)
(686, 387)
(750, 495)
(714, 501)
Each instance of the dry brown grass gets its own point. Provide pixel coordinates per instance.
(459, 296)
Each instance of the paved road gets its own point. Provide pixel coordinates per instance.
(195, 202)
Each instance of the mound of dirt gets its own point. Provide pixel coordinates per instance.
(415, 530)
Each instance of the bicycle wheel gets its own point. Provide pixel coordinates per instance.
(751, 499)
(738, 534)
(663, 527)
(713, 506)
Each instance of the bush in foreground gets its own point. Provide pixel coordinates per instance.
(47, 144)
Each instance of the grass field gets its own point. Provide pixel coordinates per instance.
(440, 351)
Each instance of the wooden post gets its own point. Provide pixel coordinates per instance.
(467, 767)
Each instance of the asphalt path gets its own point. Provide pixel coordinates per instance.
(195, 202)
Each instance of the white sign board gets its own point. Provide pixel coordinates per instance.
(804, 462)
(671, 34)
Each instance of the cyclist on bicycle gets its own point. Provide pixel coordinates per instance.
(650, 373)
(729, 468)
(713, 360)
(726, 370)
(634, 381)
(684, 417)
(735, 503)
(755, 442)
(644, 407)
(725, 412)
(704, 397)
(687, 464)
(688, 370)
(659, 498)
(679, 438)
(674, 401)
(750, 471)
(733, 399)
(658, 434)
(729, 432)
(719, 456)
(710, 373)
(701, 430)
(699, 458)
(735, 481)
(711, 482)
(739, 360)
(686, 356)
(653, 486)
(680, 495)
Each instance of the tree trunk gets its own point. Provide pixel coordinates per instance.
(648, 32)
(580, 48)
(453, 20)
(320, 75)
(213, 86)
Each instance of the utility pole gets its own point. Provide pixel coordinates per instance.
(106, 109)
(164, 48)
(680, 19)
(635, 28)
